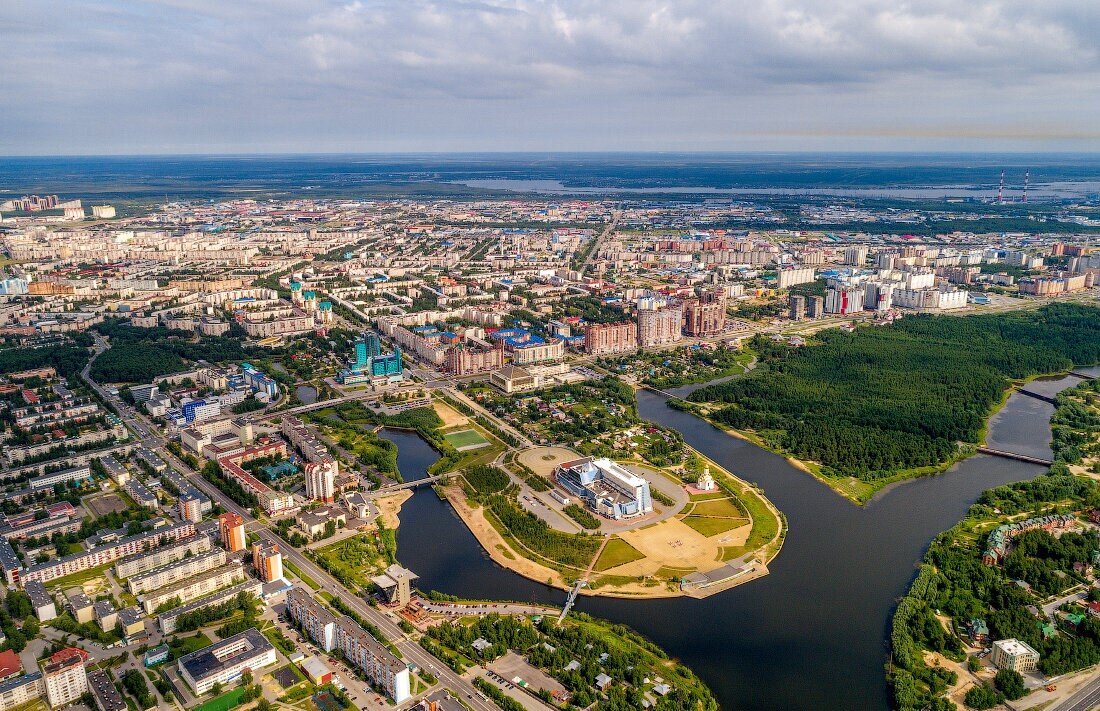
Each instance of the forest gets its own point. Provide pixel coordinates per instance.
(954, 581)
(141, 354)
(879, 400)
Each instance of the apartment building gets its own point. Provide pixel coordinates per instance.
(465, 360)
(660, 325)
(705, 315)
(21, 690)
(108, 553)
(320, 480)
(231, 531)
(66, 680)
(609, 338)
(195, 587)
(169, 620)
(162, 556)
(267, 560)
(176, 571)
(362, 650)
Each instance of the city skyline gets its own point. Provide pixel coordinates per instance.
(297, 77)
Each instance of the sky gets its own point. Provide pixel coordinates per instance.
(311, 76)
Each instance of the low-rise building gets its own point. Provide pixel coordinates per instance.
(1014, 655)
(224, 662)
(22, 689)
(41, 601)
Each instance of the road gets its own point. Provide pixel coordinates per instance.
(610, 229)
(1086, 699)
(412, 652)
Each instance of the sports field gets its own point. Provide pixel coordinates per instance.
(466, 439)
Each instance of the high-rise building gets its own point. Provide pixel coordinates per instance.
(660, 325)
(815, 306)
(856, 256)
(190, 509)
(607, 338)
(844, 300)
(706, 315)
(66, 679)
(786, 278)
(321, 480)
(798, 307)
(267, 560)
(231, 530)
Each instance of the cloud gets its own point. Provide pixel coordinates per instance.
(466, 74)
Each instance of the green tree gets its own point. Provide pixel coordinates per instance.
(1010, 683)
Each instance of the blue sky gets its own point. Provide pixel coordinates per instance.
(210, 76)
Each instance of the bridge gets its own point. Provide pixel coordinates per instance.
(1037, 396)
(1014, 455)
(1083, 376)
(411, 484)
(572, 598)
(319, 405)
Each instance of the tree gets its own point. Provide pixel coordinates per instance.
(982, 697)
(1010, 683)
(30, 628)
(216, 689)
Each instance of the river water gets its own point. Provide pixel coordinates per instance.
(812, 634)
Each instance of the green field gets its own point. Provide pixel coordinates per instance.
(723, 508)
(465, 438)
(226, 701)
(192, 643)
(708, 526)
(617, 552)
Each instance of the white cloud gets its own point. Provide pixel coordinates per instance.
(554, 73)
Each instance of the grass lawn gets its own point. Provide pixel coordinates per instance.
(465, 438)
(617, 552)
(301, 576)
(765, 525)
(185, 645)
(226, 701)
(726, 508)
(78, 579)
(708, 526)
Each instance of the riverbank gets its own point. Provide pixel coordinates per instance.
(865, 410)
(716, 541)
(861, 491)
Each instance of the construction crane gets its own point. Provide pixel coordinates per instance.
(1001, 190)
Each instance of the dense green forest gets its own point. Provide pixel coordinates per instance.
(882, 399)
(141, 354)
(68, 358)
(954, 581)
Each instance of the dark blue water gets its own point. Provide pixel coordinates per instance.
(199, 177)
(810, 635)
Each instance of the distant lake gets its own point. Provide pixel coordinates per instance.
(1049, 191)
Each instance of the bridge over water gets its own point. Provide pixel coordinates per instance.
(1015, 455)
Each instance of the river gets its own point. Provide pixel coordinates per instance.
(813, 633)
